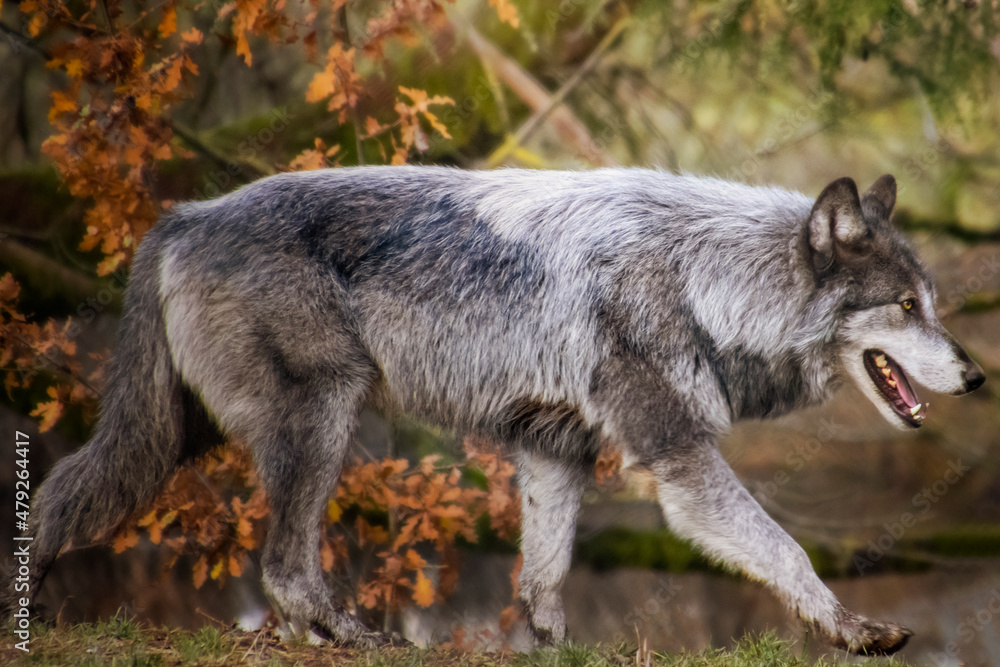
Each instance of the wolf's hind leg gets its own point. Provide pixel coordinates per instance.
(705, 502)
(550, 500)
(299, 459)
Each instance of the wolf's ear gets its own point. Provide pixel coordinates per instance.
(836, 223)
(880, 198)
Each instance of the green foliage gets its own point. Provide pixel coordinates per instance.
(120, 626)
(945, 47)
(657, 550)
(963, 542)
(662, 550)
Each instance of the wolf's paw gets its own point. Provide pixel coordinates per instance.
(361, 638)
(547, 625)
(382, 640)
(864, 636)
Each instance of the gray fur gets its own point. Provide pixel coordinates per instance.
(558, 313)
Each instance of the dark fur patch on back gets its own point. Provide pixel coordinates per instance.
(434, 248)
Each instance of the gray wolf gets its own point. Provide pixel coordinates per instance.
(557, 313)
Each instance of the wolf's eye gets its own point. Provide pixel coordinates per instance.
(908, 304)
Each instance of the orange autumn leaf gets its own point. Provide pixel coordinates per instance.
(200, 571)
(414, 561)
(368, 534)
(372, 126)
(607, 466)
(506, 11)
(515, 575)
(508, 617)
(74, 68)
(156, 527)
(61, 103)
(126, 540)
(161, 152)
(192, 36)
(337, 80)
(147, 519)
(49, 411)
(423, 590)
(246, 15)
(35, 24)
(314, 158)
(322, 85)
(109, 264)
(419, 106)
(168, 25)
(326, 556)
(236, 565)
(172, 73)
(144, 101)
(9, 288)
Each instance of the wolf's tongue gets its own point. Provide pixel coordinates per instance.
(903, 387)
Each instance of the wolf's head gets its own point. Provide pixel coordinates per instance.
(889, 329)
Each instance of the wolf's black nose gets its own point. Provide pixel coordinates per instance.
(974, 377)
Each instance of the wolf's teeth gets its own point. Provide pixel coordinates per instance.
(886, 372)
(892, 383)
(915, 409)
(880, 361)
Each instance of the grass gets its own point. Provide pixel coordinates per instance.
(121, 642)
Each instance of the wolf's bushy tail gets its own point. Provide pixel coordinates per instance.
(138, 441)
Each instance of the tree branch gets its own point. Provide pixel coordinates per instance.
(188, 136)
(567, 125)
(17, 39)
(536, 120)
(48, 277)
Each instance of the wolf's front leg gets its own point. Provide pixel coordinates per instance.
(550, 500)
(705, 502)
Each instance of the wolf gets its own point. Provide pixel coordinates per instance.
(557, 313)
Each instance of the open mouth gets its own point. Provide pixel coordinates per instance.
(891, 382)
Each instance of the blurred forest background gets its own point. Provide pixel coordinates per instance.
(113, 110)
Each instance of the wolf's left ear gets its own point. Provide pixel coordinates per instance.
(880, 198)
(836, 223)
